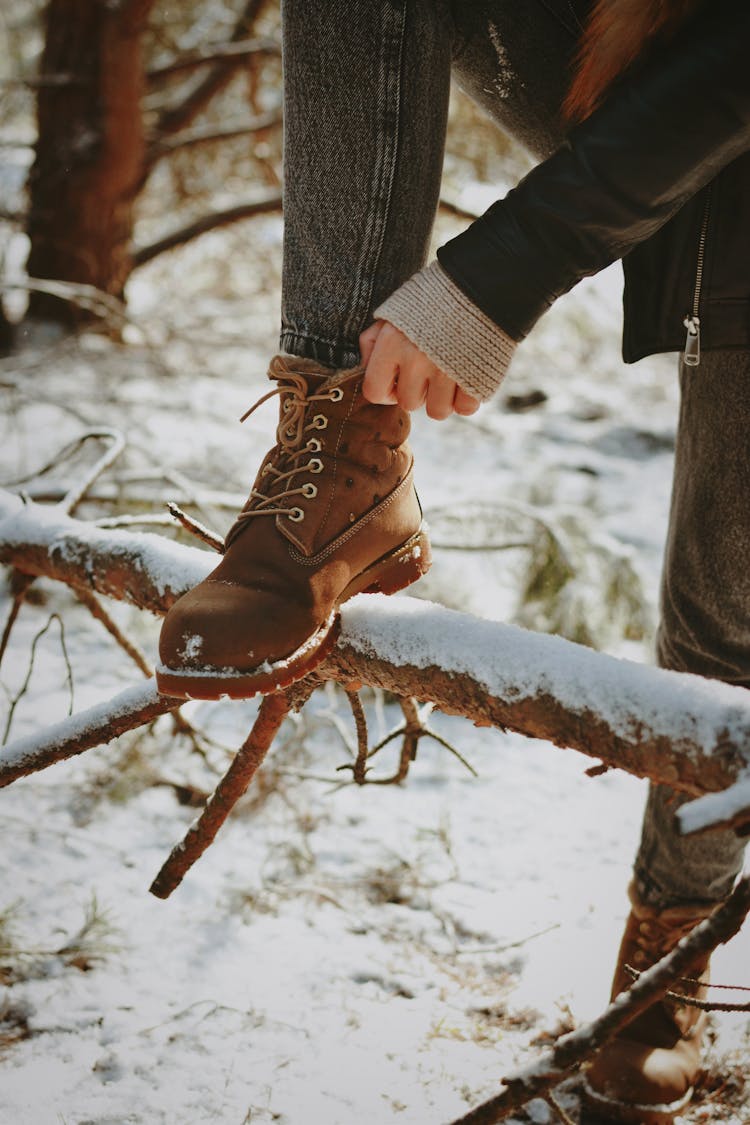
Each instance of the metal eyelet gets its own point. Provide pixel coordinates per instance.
(336, 394)
(314, 445)
(286, 406)
(296, 515)
(309, 490)
(315, 465)
(289, 431)
(320, 422)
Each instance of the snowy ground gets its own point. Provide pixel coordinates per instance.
(379, 955)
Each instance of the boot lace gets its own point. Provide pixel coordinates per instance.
(295, 451)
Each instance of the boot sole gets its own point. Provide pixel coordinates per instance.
(394, 571)
(599, 1109)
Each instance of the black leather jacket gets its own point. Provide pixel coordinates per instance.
(659, 176)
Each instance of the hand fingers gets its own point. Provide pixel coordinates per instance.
(464, 403)
(382, 369)
(441, 395)
(367, 341)
(397, 372)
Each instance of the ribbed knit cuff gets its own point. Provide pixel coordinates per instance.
(451, 330)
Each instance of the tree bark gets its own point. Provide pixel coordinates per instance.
(90, 150)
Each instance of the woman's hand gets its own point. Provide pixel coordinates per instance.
(398, 373)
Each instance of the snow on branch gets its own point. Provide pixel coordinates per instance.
(93, 727)
(680, 730)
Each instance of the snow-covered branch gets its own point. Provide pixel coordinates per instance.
(681, 730)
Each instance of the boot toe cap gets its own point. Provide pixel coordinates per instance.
(230, 627)
(634, 1074)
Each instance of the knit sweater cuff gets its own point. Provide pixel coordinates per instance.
(451, 330)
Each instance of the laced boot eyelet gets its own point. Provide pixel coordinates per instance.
(336, 394)
(315, 465)
(320, 422)
(315, 445)
(309, 490)
(296, 515)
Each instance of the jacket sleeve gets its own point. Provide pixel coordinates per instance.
(663, 132)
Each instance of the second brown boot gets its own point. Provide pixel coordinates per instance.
(646, 1074)
(333, 513)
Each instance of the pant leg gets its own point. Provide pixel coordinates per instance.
(366, 86)
(705, 621)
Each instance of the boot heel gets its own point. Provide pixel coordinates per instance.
(398, 570)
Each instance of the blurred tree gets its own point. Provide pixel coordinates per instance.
(90, 148)
(99, 140)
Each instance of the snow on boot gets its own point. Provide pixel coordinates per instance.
(333, 513)
(646, 1074)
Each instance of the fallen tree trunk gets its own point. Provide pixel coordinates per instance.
(680, 730)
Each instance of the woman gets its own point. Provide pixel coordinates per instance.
(639, 111)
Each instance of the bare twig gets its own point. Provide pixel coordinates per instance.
(78, 491)
(412, 729)
(558, 1109)
(88, 297)
(693, 1001)
(99, 724)
(195, 528)
(260, 206)
(178, 117)
(235, 52)
(272, 712)
(209, 134)
(27, 679)
(19, 586)
(97, 610)
(570, 1051)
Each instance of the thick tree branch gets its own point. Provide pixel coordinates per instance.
(273, 710)
(93, 727)
(260, 206)
(684, 731)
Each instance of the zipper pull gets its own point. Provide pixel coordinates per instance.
(692, 355)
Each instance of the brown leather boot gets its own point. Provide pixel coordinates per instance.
(333, 513)
(646, 1074)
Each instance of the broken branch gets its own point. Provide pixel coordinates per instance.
(272, 712)
(260, 206)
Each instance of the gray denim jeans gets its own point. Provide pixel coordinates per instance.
(366, 100)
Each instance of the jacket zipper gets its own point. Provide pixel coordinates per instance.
(692, 354)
